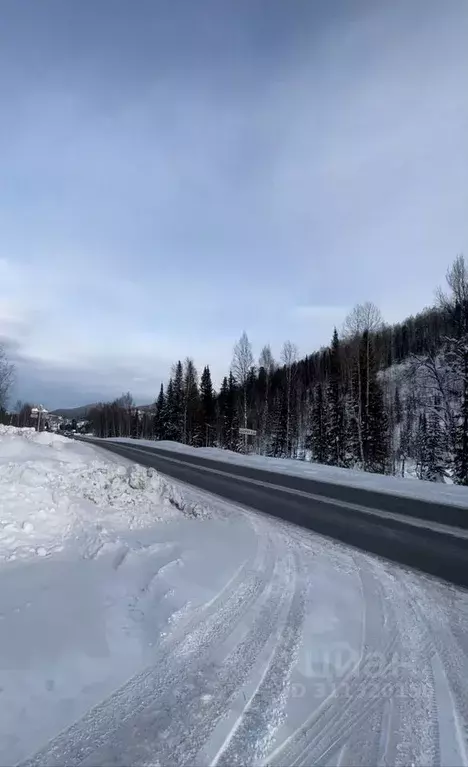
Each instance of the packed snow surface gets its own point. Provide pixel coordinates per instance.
(147, 623)
(408, 487)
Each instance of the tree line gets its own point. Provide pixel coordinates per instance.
(384, 398)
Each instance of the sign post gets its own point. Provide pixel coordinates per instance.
(247, 433)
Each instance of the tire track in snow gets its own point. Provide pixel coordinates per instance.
(203, 691)
(193, 642)
(249, 740)
(448, 669)
(354, 700)
(411, 734)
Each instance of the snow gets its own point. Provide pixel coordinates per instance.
(453, 495)
(50, 488)
(143, 622)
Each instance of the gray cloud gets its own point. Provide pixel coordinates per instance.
(174, 173)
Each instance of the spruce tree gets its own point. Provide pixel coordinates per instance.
(170, 425)
(335, 427)
(178, 403)
(158, 416)
(223, 403)
(191, 406)
(375, 430)
(232, 415)
(135, 424)
(280, 420)
(207, 407)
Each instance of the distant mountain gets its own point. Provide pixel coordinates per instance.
(80, 413)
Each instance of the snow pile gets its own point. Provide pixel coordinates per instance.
(53, 489)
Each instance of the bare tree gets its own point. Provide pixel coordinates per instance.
(364, 318)
(457, 299)
(289, 354)
(123, 414)
(267, 362)
(7, 371)
(242, 363)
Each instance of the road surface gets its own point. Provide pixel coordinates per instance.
(311, 653)
(425, 536)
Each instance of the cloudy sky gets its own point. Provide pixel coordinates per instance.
(174, 172)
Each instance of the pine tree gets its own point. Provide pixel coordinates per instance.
(191, 405)
(377, 431)
(170, 425)
(374, 416)
(266, 370)
(158, 416)
(335, 431)
(222, 414)
(232, 415)
(178, 403)
(280, 421)
(207, 406)
(135, 424)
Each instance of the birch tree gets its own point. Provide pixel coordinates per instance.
(7, 371)
(363, 319)
(289, 355)
(266, 363)
(242, 362)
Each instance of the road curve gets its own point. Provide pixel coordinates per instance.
(425, 536)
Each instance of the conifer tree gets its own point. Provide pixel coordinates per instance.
(158, 415)
(191, 434)
(178, 403)
(335, 426)
(170, 425)
(207, 406)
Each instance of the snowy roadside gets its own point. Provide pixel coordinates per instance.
(161, 625)
(452, 495)
(99, 560)
(55, 491)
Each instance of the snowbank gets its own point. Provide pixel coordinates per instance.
(99, 559)
(54, 490)
(453, 495)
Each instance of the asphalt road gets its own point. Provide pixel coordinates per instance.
(425, 536)
(286, 648)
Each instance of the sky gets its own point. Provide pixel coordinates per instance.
(174, 172)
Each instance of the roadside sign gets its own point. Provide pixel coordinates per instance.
(250, 432)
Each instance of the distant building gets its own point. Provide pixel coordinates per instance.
(37, 410)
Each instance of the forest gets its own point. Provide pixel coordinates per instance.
(389, 399)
